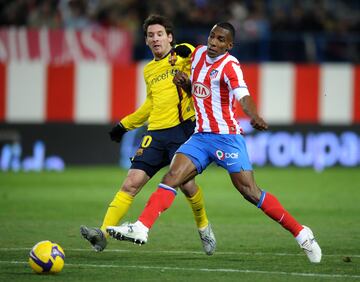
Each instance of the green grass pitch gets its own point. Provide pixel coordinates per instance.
(251, 247)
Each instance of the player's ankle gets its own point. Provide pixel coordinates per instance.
(202, 228)
(103, 230)
(140, 225)
(302, 236)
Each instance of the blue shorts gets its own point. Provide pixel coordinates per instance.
(226, 150)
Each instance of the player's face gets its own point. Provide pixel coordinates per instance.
(158, 40)
(219, 42)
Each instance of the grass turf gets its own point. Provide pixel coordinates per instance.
(251, 247)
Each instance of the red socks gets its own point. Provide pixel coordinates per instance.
(272, 207)
(158, 202)
(164, 196)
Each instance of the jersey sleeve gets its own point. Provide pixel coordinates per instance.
(140, 116)
(235, 80)
(184, 64)
(195, 51)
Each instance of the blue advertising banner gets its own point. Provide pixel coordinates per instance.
(36, 147)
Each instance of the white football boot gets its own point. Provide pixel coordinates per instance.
(133, 232)
(307, 242)
(208, 240)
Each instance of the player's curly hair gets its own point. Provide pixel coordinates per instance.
(161, 20)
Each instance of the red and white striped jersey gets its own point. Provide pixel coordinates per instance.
(215, 84)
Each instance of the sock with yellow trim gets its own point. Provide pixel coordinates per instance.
(197, 205)
(116, 210)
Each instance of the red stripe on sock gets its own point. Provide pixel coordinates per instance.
(272, 207)
(159, 201)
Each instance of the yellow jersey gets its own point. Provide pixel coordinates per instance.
(165, 105)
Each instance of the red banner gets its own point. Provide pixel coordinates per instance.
(285, 94)
(65, 46)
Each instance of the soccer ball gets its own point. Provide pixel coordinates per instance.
(46, 257)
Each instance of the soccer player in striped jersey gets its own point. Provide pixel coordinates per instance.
(170, 114)
(216, 80)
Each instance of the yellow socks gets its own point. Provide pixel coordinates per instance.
(122, 202)
(197, 205)
(117, 210)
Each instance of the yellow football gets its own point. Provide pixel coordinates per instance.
(46, 257)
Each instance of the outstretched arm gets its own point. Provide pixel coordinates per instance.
(249, 109)
(132, 121)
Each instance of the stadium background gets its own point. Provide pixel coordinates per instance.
(69, 69)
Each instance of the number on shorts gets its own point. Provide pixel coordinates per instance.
(146, 141)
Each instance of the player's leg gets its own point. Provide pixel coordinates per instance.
(245, 184)
(188, 162)
(194, 196)
(123, 199)
(146, 162)
(270, 205)
(234, 158)
(117, 208)
(191, 190)
(181, 169)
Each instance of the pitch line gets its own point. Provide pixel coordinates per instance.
(136, 250)
(223, 270)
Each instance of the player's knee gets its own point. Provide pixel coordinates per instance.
(130, 188)
(172, 179)
(189, 188)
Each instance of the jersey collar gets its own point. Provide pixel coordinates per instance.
(211, 61)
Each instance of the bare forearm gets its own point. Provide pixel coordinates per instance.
(249, 107)
(187, 87)
(250, 110)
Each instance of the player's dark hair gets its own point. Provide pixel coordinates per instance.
(229, 27)
(161, 20)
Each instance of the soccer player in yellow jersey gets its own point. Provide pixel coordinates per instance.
(170, 115)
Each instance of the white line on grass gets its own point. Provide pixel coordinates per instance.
(226, 270)
(187, 252)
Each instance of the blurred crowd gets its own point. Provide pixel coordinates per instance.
(267, 28)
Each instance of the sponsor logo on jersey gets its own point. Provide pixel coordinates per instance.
(162, 77)
(200, 90)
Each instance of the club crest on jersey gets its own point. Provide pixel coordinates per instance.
(213, 74)
(200, 90)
